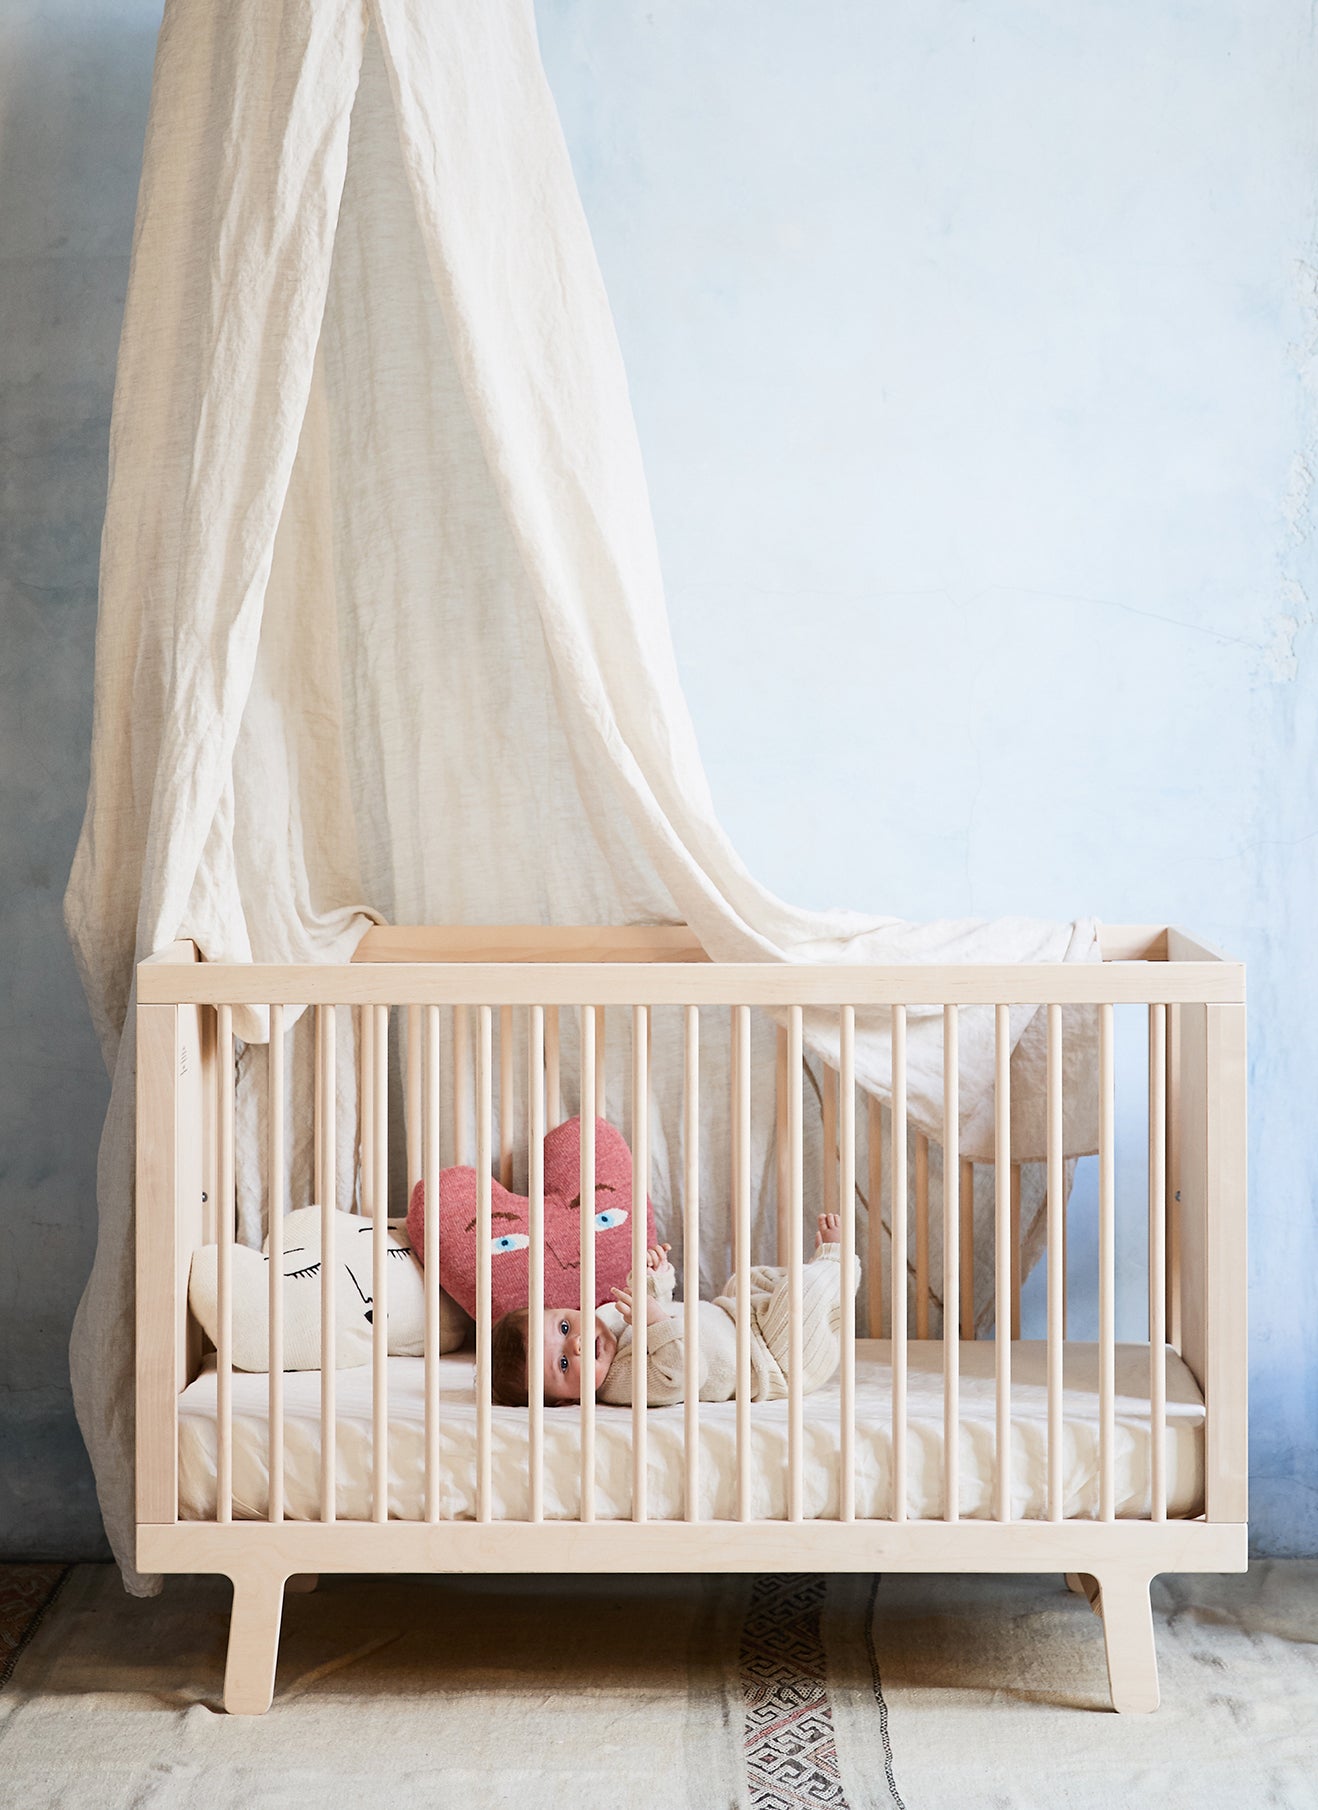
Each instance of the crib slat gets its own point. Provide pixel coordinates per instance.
(898, 1244)
(691, 1254)
(506, 1101)
(1158, 1257)
(782, 1158)
(276, 1199)
(553, 1077)
(967, 1194)
(366, 1108)
(921, 1236)
(1066, 1271)
(601, 1063)
(535, 1324)
(847, 1195)
(1015, 1250)
(318, 1094)
(484, 1257)
(741, 1186)
(587, 1216)
(828, 1093)
(874, 1217)
(1056, 1262)
(732, 1141)
(951, 1265)
(796, 1341)
(461, 1085)
(1107, 1306)
(326, 1115)
(380, 1269)
(640, 1292)
(430, 1268)
(224, 1269)
(1002, 1257)
(415, 1096)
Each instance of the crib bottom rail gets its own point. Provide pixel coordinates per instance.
(1079, 1546)
(1111, 1563)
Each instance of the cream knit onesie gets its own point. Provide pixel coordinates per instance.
(770, 1328)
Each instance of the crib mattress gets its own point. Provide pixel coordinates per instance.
(718, 1465)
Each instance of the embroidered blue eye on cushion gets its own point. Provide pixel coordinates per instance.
(510, 1215)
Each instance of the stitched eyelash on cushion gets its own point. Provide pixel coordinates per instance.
(312, 1269)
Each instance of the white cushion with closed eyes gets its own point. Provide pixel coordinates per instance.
(353, 1296)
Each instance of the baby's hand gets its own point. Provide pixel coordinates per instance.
(657, 1256)
(655, 1311)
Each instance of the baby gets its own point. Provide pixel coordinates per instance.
(604, 1361)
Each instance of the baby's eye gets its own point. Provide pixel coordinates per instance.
(610, 1217)
(562, 1363)
(510, 1241)
(564, 1328)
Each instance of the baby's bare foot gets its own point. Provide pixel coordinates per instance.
(830, 1228)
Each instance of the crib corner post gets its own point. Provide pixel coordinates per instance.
(1225, 1305)
(173, 1210)
(160, 1363)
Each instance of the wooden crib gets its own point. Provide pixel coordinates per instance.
(868, 1510)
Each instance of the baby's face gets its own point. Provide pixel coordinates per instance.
(565, 1361)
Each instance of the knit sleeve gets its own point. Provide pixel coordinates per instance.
(664, 1360)
(665, 1367)
(659, 1283)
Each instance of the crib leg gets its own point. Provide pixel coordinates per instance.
(249, 1674)
(1132, 1660)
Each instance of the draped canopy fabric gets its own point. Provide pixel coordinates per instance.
(382, 629)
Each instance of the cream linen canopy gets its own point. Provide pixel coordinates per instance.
(382, 629)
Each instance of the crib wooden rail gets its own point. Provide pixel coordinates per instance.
(480, 1018)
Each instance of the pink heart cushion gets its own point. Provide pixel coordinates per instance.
(510, 1220)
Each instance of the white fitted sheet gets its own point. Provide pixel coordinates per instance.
(718, 1470)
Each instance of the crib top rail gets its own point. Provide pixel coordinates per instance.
(664, 964)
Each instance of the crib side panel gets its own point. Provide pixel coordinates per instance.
(1204, 1147)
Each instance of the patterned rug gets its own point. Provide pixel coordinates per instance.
(26, 1592)
(659, 1693)
(790, 1746)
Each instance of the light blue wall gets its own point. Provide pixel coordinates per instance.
(73, 94)
(972, 348)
